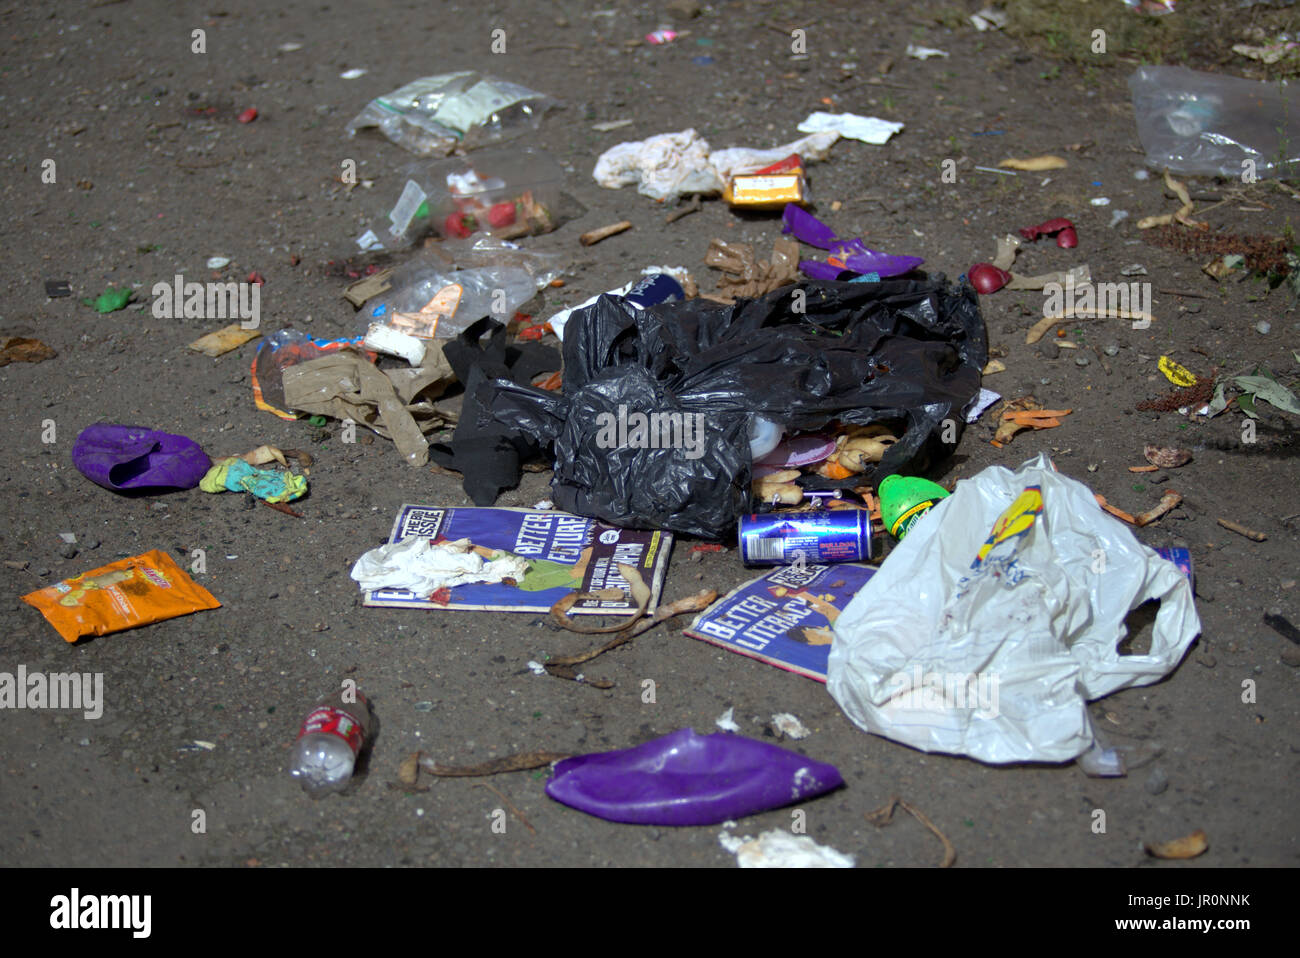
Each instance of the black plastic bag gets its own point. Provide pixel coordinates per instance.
(801, 356)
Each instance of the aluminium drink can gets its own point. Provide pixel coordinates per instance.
(814, 538)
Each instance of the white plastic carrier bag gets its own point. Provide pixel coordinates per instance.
(998, 618)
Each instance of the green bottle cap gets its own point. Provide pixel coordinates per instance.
(904, 499)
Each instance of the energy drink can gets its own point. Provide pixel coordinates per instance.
(814, 538)
(655, 288)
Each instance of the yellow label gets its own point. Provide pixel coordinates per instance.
(1015, 522)
(1176, 374)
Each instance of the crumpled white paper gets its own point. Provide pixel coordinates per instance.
(868, 129)
(670, 165)
(778, 849)
(421, 567)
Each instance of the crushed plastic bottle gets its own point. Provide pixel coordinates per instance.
(329, 741)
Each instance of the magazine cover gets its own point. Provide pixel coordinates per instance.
(566, 553)
(784, 618)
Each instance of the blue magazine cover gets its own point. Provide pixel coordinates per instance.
(566, 553)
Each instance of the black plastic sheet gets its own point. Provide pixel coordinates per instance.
(802, 356)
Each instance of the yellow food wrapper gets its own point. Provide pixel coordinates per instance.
(121, 595)
(764, 191)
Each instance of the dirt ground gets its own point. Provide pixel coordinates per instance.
(155, 175)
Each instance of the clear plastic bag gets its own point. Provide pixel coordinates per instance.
(1206, 124)
(989, 628)
(506, 193)
(496, 278)
(433, 115)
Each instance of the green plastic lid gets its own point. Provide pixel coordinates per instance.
(904, 499)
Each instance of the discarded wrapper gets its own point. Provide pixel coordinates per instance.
(121, 595)
(236, 475)
(764, 191)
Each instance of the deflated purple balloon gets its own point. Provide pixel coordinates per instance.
(128, 458)
(873, 261)
(853, 253)
(689, 779)
(806, 227)
(843, 249)
(815, 269)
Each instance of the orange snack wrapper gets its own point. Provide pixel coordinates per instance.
(121, 595)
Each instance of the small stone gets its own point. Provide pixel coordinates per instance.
(1157, 781)
(1287, 584)
(1262, 327)
(1048, 349)
(685, 9)
(67, 550)
(1111, 350)
(1081, 360)
(1291, 655)
(218, 262)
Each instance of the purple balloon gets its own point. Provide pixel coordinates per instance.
(853, 253)
(688, 779)
(873, 261)
(130, 458)
(806, 227)
(816, 269)
(843, 249)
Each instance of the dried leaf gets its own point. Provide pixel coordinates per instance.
(17, 349)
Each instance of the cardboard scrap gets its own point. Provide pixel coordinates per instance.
(395, 403)
(744, 275)
(368, 287)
